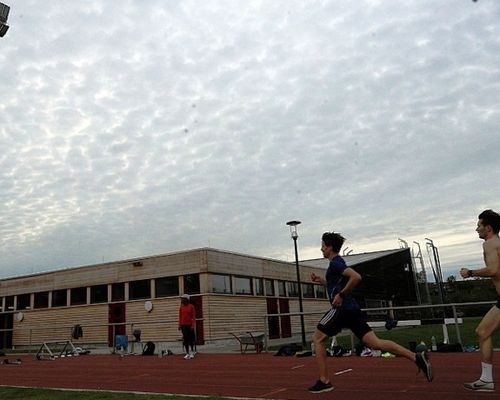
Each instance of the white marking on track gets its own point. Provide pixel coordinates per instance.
(344, 371)
(273, 392)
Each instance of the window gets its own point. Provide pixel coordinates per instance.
(99, 294)
(293, 289)
(320, 292)
(78, 296)
(259, 286)
(118, 291)
(167, 286)
(221, 284)
(281, 289)
(308, 290)
(23, 301)
(41, 300)
(59, 298)
(192, 284)
(139, 289)
(9, 303)
(269, 284)
(242, 285)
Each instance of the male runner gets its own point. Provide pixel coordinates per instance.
(488, 226)
(340, 280)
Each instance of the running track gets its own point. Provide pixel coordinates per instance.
(261, 376)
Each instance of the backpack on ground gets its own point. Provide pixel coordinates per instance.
(77, 331)
(289, 350)
(149, 349)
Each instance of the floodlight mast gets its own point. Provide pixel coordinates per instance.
(404, 245)
(436, 267)
(424, 273)
(4, 15)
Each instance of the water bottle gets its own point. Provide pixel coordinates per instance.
(433, 344)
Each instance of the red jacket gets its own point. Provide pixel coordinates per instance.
(187, 315)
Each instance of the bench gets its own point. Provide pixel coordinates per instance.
(249, 339)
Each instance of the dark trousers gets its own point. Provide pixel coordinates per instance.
(187, 337)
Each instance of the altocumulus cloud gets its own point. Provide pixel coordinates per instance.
(149, 127)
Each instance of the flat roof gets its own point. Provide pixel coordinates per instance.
(352, 259)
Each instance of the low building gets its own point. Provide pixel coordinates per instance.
(232, 293)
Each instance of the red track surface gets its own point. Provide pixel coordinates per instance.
(252, 375)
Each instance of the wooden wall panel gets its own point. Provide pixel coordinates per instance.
(122, 271)
(222, 314)
(55, 324)
(237, 264)
(158, 325)
(225, 314)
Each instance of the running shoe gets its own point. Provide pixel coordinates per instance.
(321, 387)
(424, 364)
(480, 386)
(187, 356)
(366, 352)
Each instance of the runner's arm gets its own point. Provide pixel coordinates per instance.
(491, 261)
(318, 279)
(353, 280)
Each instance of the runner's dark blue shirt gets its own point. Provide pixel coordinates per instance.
(335, 282)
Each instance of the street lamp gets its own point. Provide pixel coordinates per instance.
(293, 232)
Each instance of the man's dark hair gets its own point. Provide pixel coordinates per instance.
(335, 240)
(491, 218)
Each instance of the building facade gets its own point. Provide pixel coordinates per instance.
(232, 293)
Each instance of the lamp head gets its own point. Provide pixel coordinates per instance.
(293, 228)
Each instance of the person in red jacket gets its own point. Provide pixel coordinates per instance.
(187, 325)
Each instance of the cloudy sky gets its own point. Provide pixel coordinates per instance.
(137, 128)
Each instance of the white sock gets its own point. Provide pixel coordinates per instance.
(487, 372)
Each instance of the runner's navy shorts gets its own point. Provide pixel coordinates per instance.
(337, 318)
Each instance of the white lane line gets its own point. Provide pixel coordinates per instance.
(343, 371)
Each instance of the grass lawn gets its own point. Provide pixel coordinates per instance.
(11, 393)
(424, 333)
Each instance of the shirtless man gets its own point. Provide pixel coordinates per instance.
(488, 226)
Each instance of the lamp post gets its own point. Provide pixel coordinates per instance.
(295, 235)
